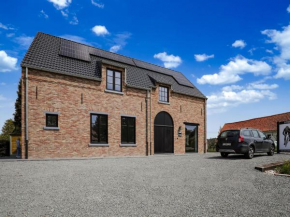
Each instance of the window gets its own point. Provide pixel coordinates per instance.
(229, 133)
(255, 133)
(128, 130)
(247, 133)
(114, 80)
(99, 128)
(262, 135)
(51, 120)
(163, 94)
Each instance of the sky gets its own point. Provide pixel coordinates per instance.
(235, 52)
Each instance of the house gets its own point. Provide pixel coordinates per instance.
(81, 101)
(267, 124)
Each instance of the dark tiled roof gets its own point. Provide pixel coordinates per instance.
(59, 55)
(267, 123)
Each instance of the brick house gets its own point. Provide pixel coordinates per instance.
(81, 101)
(267, 124)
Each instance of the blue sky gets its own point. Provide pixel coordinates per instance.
(236, 52)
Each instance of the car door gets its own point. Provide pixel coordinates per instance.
(266, 142)
(258, 141)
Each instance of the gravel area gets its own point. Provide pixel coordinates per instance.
(160, 185)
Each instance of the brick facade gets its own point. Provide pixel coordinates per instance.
(51, 92)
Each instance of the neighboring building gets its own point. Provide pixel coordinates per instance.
(81, 101)
(266, 124)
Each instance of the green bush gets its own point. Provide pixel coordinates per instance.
(285, 168)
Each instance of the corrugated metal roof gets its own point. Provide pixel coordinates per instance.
(72, 58)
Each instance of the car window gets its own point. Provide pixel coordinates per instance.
(262, 135)
(255, 133)
(247, 133)
(229, 133)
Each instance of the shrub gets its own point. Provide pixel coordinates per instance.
(285, 168)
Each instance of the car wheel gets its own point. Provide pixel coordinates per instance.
(250, 153)
(223, 154)
(271, 153)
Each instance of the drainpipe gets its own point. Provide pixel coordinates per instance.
(26, 113)
(150, 122)
(146, 100)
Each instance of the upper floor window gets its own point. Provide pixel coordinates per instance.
(163, 94)
(114, 80)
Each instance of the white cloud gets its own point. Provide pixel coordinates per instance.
(100, 30)
(202, 57)
(64, 13)
(282, 41)
(74, 21)
(76, 38)
(230, 98)
(2, 83)
(262, 86)
(239, 43)
(230, 73)
(251, 51)
(9, 35)
(24, 41)
(60, 4)
(120, 41)
(169, 61)
(7, 63)
(2, 26)
(288, 9)
(269, 51)
(43, 14)
(99, 5)
(115, 48)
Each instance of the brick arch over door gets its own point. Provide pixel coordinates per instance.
(163, 133)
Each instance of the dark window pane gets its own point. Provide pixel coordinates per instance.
(124, 121)
(99, 128)
(131, 135)
(51, 120)
(124, 134)
(131, 122)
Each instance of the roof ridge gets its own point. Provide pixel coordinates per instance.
(108, 51)
(258, 118)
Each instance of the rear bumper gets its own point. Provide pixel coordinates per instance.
(240, 149)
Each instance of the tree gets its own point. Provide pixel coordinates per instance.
(17, 114)
(7, 128)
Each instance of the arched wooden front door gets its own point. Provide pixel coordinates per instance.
(163, 133)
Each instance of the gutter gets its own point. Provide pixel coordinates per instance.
(26, 113)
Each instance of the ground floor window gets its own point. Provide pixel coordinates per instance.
(99, 128)
(191, 138)
(128, 130)
(51, 120)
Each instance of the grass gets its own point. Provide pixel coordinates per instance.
(284, 169)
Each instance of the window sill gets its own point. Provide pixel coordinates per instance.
(51, 128)
(166, 103)
(116, 92)
(98, 145)
(128, 145)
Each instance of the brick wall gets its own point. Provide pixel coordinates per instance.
(60, 93)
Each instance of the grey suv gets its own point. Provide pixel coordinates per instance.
(247, 141)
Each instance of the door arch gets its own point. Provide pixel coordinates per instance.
(163, 133)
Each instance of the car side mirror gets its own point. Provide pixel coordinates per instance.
(268, 136)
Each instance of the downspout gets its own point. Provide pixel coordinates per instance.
(147, 93)
(150, 122)
(26, 113)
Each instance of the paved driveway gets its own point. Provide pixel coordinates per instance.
(187, 185)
